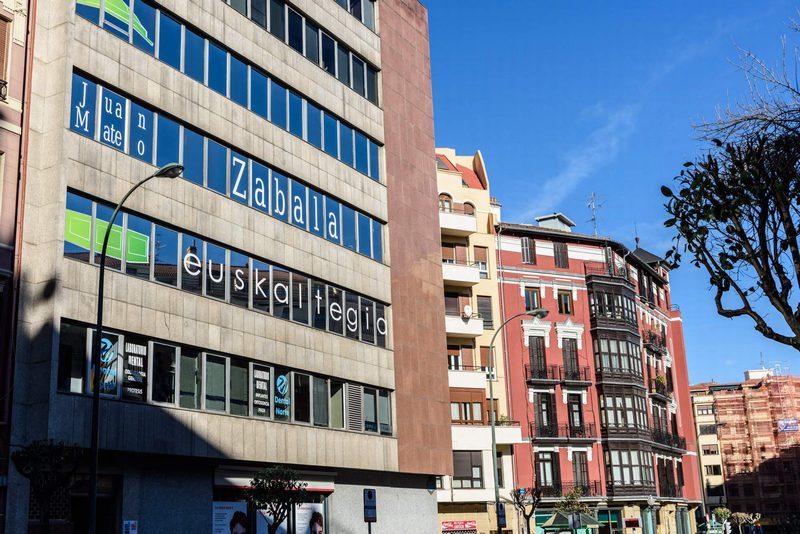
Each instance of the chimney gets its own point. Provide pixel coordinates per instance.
(556, 221)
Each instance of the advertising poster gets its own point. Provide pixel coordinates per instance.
(230, 518)
(261, 393)
(263, 520)
(134, 369)
(109, 353)
(787, 425)
(310, 518)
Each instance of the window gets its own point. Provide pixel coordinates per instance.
(314, 125)
(705, 409)
(362, 156)
(168, 141)
(278, 115)
(629, 467)
(710, 449)
(320, 391)
(331, 135)
(72, 358)
(239, 387)
(565, 302)
(570, 353)
(163, 373)
(103, 215)
(194, 56)
(258, 12)
(713, 470)
(346, 144)
(217, 69)
(561, 257)
(384, 413)
(328, 54)
(618, 353)
(295, 26)
(165, 254)
(623, 408)
(312, 42)
(485, 311)
(528, 250)
(262, 379)
(137, 246)
(302, 398)
(190, 379)
(277, 18)
(144, 34)
(337, 404)
(240, 6)
(708, 430)
(238, 82)
(349, 228)
(580, 468)
(467, 469)
(192, 264)
(300, 294)
(733, 489)
(134, 369)
(372, 82)
(364, 235)
(258, 93)
(482, 261)
(283, 394)
(532, 300)
(359, 71)
(370, 410)
(343, 64)
(445, 202)
(169, 42)
(78, 227)
(296, 114)
(193, 157)
(547, 471)
(215, 369)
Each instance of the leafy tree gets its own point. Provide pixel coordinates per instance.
(276, 490)
(571, 503)
(526, 501)
(721, 513)
(49, 466)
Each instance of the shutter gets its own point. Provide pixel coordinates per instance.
(556, 471)
(355, 411)
(570, 355)
(467, 355)
(485, 311)
(451, 304)
(4, 27)
(561, 257)
(448, 251)
(481, 254)
(485, 357)
(462, 464)
(461, 253)
(525, 244)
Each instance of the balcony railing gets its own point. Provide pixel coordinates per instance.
(660, 387)
(670, 489)
(457, 209)
(654, 341)
(3, 90)
(548, 373)
(462, 263)
(609, 270)
(626, 431)
(634, 487)
(619, 374)
(462, 367)
(568, 432)
(558, 489)
(575, 374)
(664, 437)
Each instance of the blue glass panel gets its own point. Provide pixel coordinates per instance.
(83, 106)
(215, 268)
(168, 136)
(278, 104)
(333, 221)
(343, 64)
(261, 289)
(117, 17)
(298, 204)
(374, 162)
(331, 133)
(144, 27)
(113, 114)
(361, 153)
(78, 227)
(312, 42)
(260, 182)
(258, 93)
(313, 125)
(364, 234)
(316, 213)
(295, 114)
(277, 18)
(141, 133)
(377, 241)
(165, 268)
(372, 85)
(346, 144)
(349, 227)
(295, 30)
(239, 280)
(217, 69)
(238, 82)
(88, 9)
(217, 177)
(192, 264)
(194, 56)
(280, 196)
(192, 156)
(240, 178)
(169, 41)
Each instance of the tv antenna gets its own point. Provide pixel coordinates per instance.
(593, 206)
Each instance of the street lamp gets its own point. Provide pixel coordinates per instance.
(539, 313)
(171, 170)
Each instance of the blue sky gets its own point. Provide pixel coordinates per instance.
(565, 99)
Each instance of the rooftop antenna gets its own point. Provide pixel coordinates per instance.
(593, 206)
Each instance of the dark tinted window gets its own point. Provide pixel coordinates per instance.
(215, 383)
(190, 379)
(312, 42)
(335, 310)
(351, 315)
(377, 241)
(333, 221)
(362, 165)
(239, 387)
(261, 289)
(192, 156)
(302, 398)
(239, 178)
(277, 18)
(240, 6)
(343, 66)
(258, 12)
(169, 41)
(260, 186)
(141, 134)
(374, 162)
(372, 85)
(364, 237)
(358, 76)
(215, 271)
(278, 105)
(298, 205)
(300, 301)
(280, 197)
(316, 213)
(295, 30)
(281, 293)
(163, 373)
(328, 54)
(165, 254)
(72, 358)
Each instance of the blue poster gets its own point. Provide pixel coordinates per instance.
(83, 106)
(113, 112)
(141, 133)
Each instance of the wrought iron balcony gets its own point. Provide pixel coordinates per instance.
(664, 437)
(655, 342)
(564, 432)
(608, 270)
(575, 374)
(661, 388)
(547, 373)
(633, 487)
(558, 489)
(670, 489)
(3, 90)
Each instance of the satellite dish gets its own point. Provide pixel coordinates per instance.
(467, 311)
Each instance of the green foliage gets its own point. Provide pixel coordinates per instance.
(721, 513)
(571, 503)
(276, 490)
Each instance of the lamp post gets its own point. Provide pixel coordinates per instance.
(172, 170)
(539, 313)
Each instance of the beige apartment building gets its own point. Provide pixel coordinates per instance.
(472, 313)
(708, 447)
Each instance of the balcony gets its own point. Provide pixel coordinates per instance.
(624, 431)
(660, 389)
(654, 342)
(457, 222)
(479, 436)
(466, 376)
(461, 326)
(670, 490)
(557, 490)
(579, 375)
(668, 439)
(610, 271)
(619, 375)
(3, 90)
(548, 373)
(460, 273)
(637, 488)
(564, 432)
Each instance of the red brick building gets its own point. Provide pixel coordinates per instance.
(601, 384)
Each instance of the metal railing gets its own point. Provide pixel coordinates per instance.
(664, 437)
(610, 270)
(670, 489)
(546, 373)
(4, 90)
(660, 387)
(575, 374)
(559, 489)
(462, 367)
(459, 210)
(555, 431)
(462, 263)
(654, 341)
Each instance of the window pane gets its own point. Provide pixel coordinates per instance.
(169, 41)
(217, 69)
(374, 162)
(238, 85)
(215, 383)
(370, 410)
(239, 173)
(295, 114)
(276, 18)
(109, 364)
(298, 204)
(216, 271)
(320, 401)
(168, 142)
(166, 256)
(78, 227)
(300, 294)
(260, 185)
(261, 290)
(258, 93)
(278, 104)
(367, 320)
(319, 305)
(343, 66)
(337, 404)
(346, 144)
(116, 18)
(192, 157)
(361, 153)
(312, 42)
(302, 398)
(192, 264)
(194, 56)
(328, 54)
(351, 315)
(144, 27)
(258, 12)
(141, 132)
(331, 135)
(333, 223)
(335, 310)
(113, 116)
(316, 213)
(364, 237)
(283, 396)
(358, 76)
(137, 247)
(261, 391)
(163, 373)
(349, 227)
(377, 241)
(280, 197)
(355, 8)
(217, 177)
(190, 379)
(83, 106)
(369, 14)
(239, 401)
(239, 279)
(280, 292)
(295, 30)
(103, 215)
(89, 12)
(385, 413)
(313, 125)
(72, 358)
(240, 6)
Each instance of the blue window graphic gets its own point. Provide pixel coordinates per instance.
(88, 9)
(280, 196)
(260, 181)
(298, 207)
(217, 178)
(217, 69)
(238, 82)
(83, 105)
(113, 114)
(144, 27)
(258, 93)
(169, 41)
(194, 56)
(141, 133)
(168, 135)
(117, 13)
(193, 156)
(316, 213)
(240, 178)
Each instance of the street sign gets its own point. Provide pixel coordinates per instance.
(370, 506)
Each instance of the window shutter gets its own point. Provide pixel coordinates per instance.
(556, 470)
(4, 27)
(461, 253)
(528, 250)
(481, 254)
(355, 410)
(462, 464)
(448, 251)
(467, 356)
(485, 357)
(485, 311)
(561, 257)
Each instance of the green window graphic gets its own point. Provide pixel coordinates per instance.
(78, 231)
(121, 11)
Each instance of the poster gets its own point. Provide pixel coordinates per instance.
(229, 518)
(787, 425)
(263, 520)
(261, 391)
(134, 369)
(109, 362)
(310, 518)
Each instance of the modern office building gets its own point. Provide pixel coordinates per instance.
(472, 310)
(755, 428)
(278, 304)
(600, 385)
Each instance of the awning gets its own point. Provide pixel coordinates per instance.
(240, 477)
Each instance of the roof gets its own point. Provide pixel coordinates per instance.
(559, 216)
(469, 177)
(647, 257)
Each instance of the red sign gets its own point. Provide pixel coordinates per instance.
(632, 522)
(448, 526)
